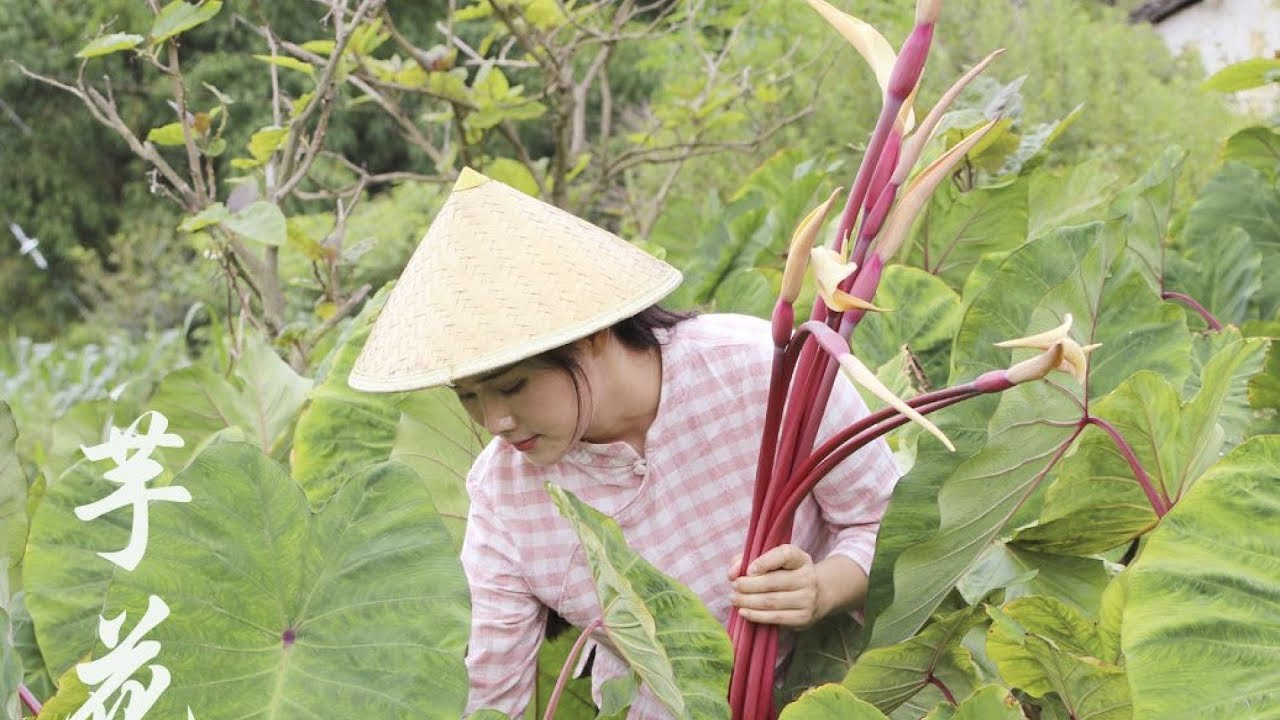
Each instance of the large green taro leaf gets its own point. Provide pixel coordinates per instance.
(1021, 572)
(65, 581)
(13, 504)
(1146, 208)
(925, 316)
(1258, 147)
(658, 626)
(1077, 270)
(1221, 271)
(975, 500)
(1242, 196)
(913, 515)
(1043, 646)
(830, 701)
(437, 439)
(358, 610)
(1096, 504)
(959, 228)
(1085, 271)
(1068, 196)
(1200, 628)
(262, 398)
(889, 676)
(342, 430)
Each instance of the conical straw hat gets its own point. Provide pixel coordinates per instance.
(501, 277)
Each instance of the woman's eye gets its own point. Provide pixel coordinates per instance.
(512, 390)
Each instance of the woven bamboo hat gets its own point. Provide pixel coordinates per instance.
(501, 277)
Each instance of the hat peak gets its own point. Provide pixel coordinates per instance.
(468, 179)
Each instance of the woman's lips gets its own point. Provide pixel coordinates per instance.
(526, 445)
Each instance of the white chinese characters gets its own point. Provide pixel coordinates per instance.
(111, 675)
(131, 451)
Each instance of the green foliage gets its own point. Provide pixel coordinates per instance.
(314, 596)
(670, 639)
(1199, 621)
(889, 676)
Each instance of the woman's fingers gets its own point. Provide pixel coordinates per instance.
(734, 566)
(783, 557)
(793, 608)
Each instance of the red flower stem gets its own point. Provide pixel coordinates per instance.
(1159, 500)
(861, 182)
(567, 670)
(841, 437)
(801, 489)
(768, 443)
(817, 408)
(796, 406)
(29, 699)
(879, 198)
(1191, 302)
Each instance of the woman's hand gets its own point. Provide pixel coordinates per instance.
(785, 587)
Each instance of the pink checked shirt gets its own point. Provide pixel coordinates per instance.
(684, 506)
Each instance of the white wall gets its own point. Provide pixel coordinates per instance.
(1226, 32)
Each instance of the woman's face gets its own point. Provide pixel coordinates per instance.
(531, 406)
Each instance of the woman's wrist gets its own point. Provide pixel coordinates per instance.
(842, 585)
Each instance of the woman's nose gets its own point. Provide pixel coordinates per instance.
(497, 418)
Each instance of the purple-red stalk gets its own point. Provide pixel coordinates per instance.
(1160, 502)
(814, 374)
(1185, 299)
(29, 699)
(567, 670)
(935, 681)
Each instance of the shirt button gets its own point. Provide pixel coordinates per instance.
(639, 467)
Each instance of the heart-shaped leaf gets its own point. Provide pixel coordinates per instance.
(1096, 503)
(661, 628)
(1200, 626)
(262, 399)
(1077, 270)
(889, 676)
(1043, 646)
(261, 222)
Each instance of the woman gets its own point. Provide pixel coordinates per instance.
(546, 328)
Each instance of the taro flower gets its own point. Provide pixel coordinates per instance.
(1075, 359)
(873, 48)
(801, 242)
(858, 372)
(829, 270)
